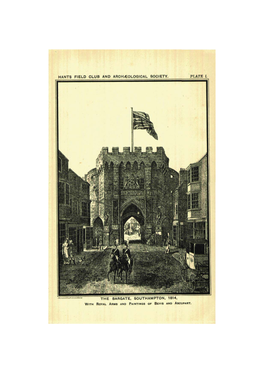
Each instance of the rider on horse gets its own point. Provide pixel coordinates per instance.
(127, 254)
(116, 255)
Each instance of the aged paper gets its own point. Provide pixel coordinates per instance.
(131, 186)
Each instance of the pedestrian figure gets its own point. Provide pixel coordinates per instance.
(70, 249)
(167, 249)
(100, 244)
(65, 248)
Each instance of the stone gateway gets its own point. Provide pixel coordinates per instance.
(132, 184)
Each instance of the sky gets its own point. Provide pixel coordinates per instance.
(96, 114)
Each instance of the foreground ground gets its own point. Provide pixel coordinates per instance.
(153, 272)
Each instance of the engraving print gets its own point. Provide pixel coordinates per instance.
(133, 215)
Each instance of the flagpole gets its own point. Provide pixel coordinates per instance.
(132, 132)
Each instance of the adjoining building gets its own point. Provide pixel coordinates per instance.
(191, 209)
(74, 205)
(132, 184)
(180, 211)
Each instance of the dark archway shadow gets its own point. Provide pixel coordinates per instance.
(98, 231)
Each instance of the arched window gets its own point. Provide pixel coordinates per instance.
(121, 175)
(154, 166)
(121, 166)
(135, 166)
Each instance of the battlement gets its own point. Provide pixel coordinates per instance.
(116, 156)
(137, 150)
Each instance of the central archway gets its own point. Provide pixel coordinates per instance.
(132, 211)
(98, 232)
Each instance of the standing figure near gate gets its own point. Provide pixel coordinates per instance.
(167, 243)
(65, 248)
(70, 249)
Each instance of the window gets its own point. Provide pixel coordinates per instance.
(61, 192)
(199, 248)
(195, 200)
(200, 230)
(175, 232)
(188, 176)
(84, 209)
(176, 209)
(195, 174)
(59, 164)
(67, 194)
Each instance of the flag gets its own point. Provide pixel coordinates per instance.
(190, 260)
(141, 121)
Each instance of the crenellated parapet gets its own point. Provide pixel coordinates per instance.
(126, 155)
(137, 150)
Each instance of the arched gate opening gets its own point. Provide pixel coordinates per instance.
(132, 211)
(132, 230)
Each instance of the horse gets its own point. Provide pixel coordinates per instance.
(114, 266)
(126, 266)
